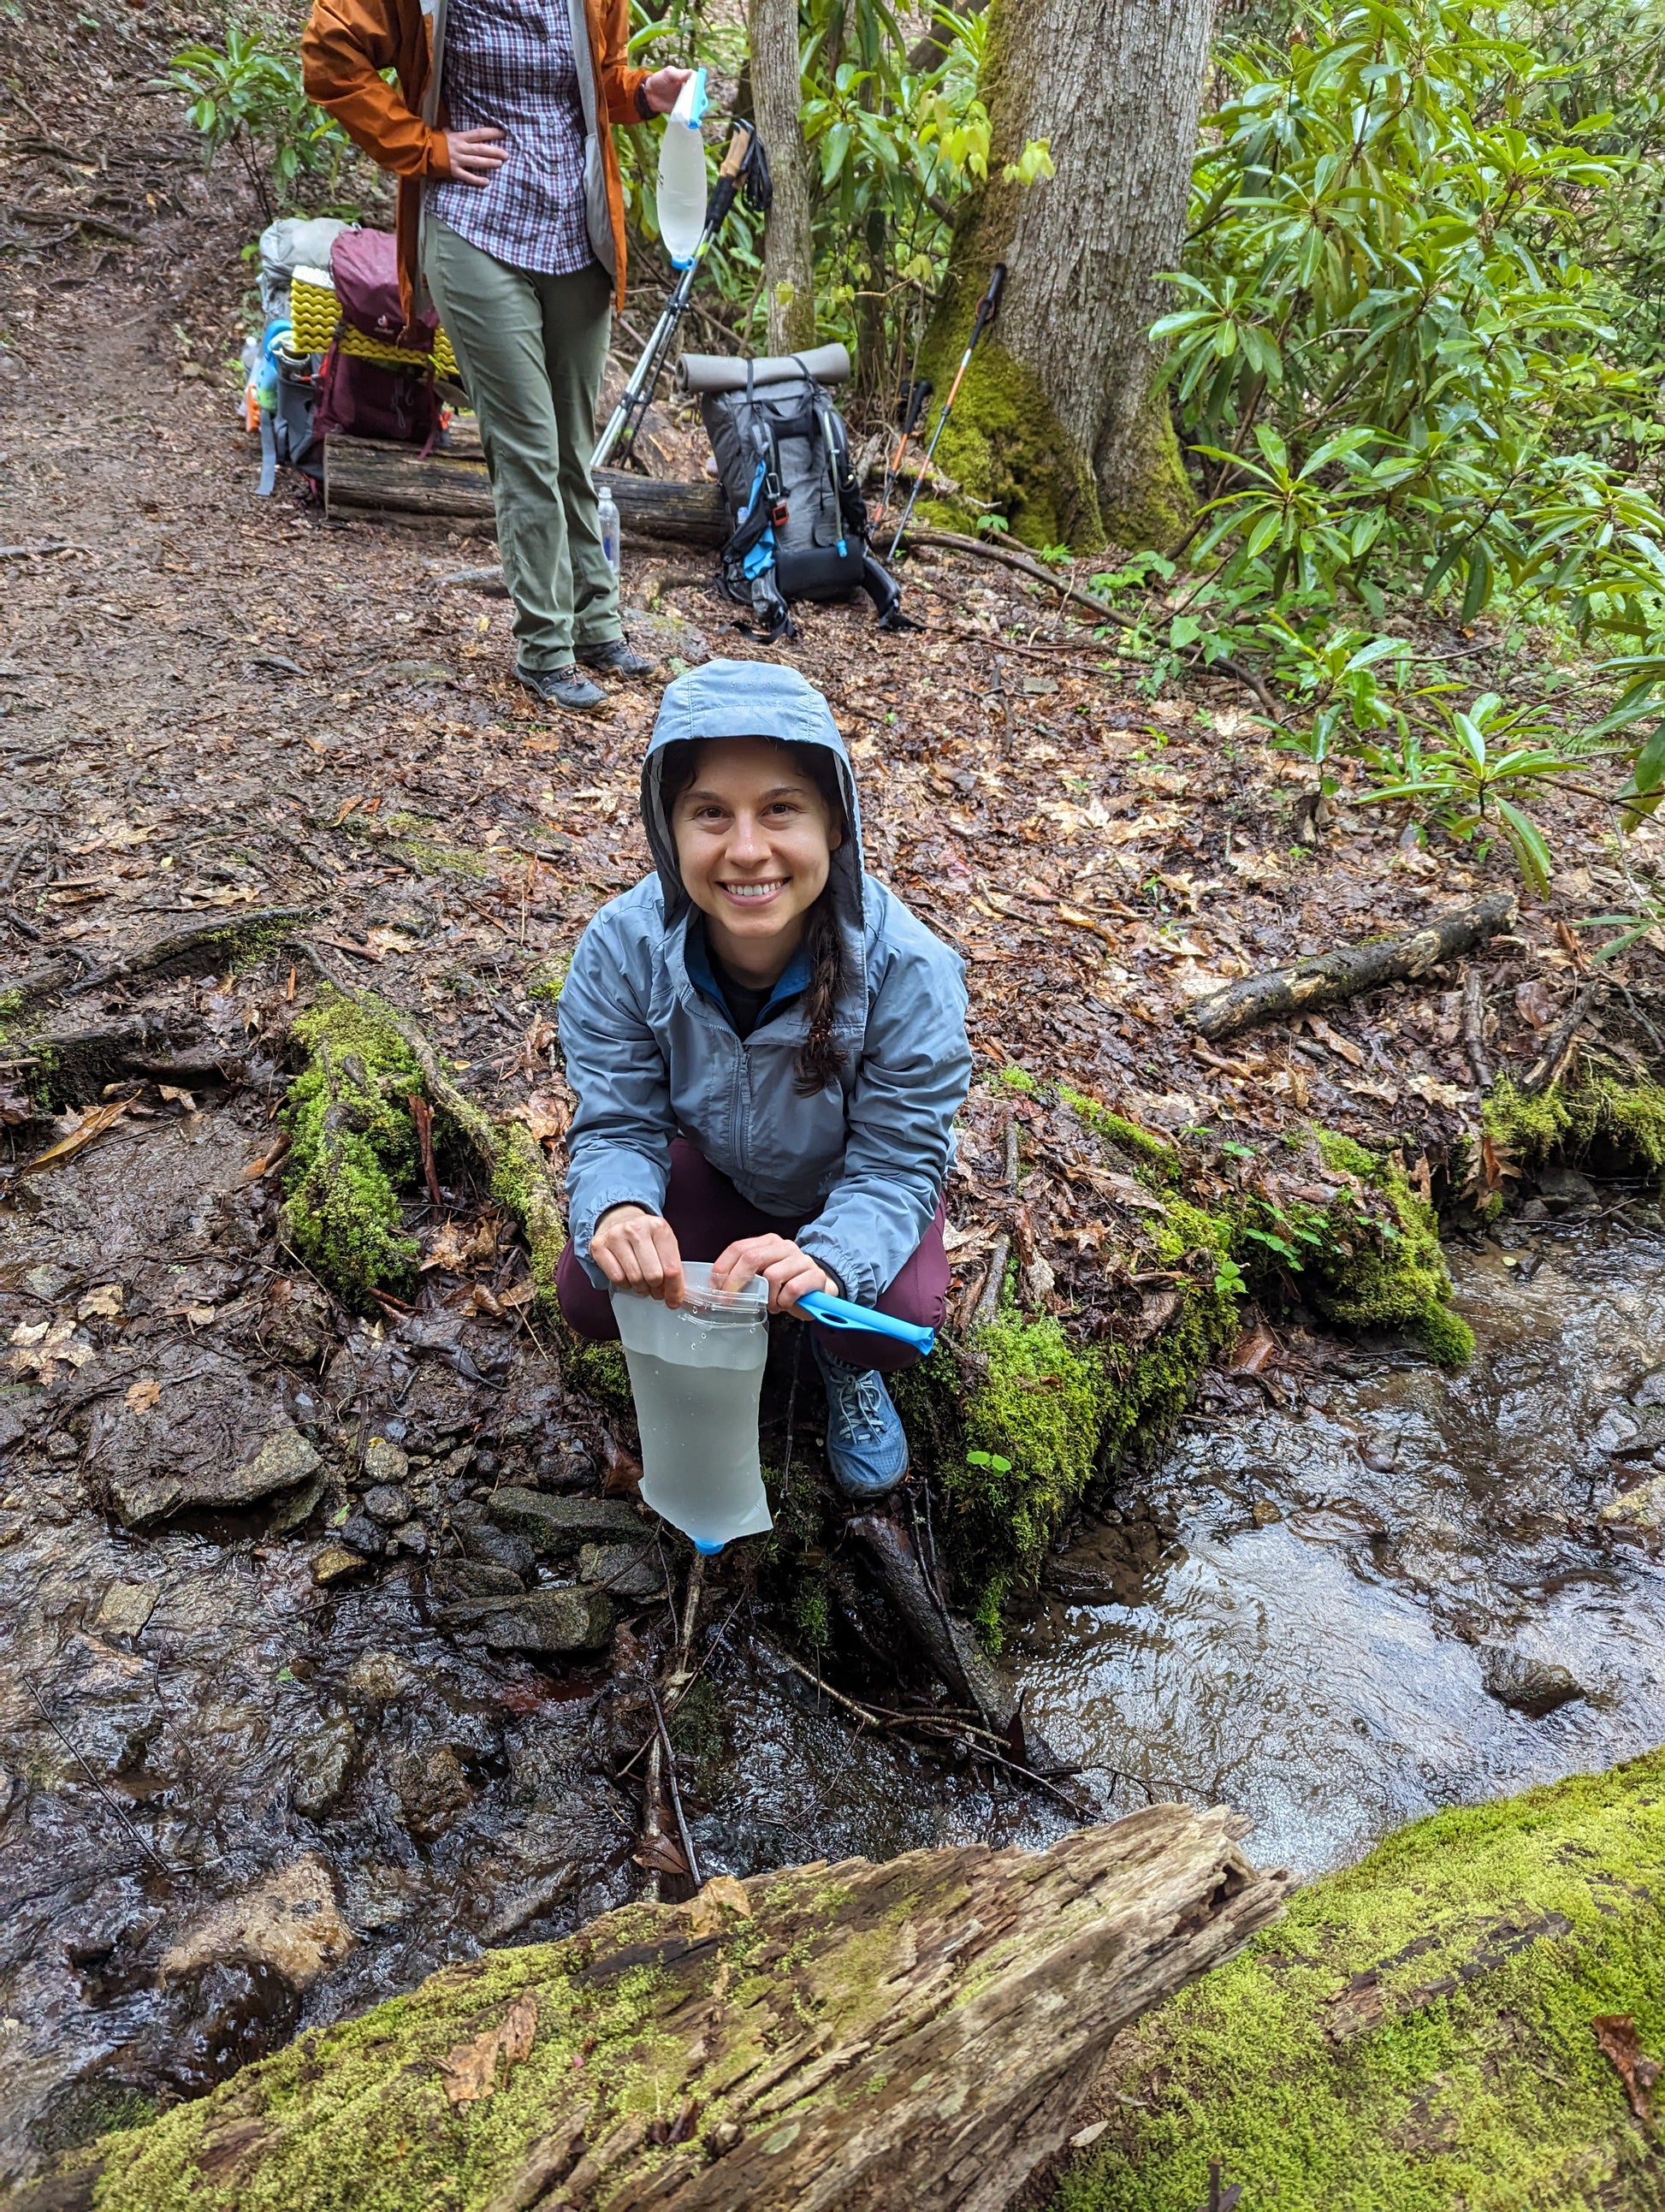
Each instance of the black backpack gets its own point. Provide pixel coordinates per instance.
(799, 523)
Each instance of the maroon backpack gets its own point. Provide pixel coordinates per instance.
(360, 399)
(365, 265)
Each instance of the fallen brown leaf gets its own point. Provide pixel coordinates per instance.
(101, 1303)
(660, 1855)
(470, 2070)
(144, 1396)
(1253, 1350)
(1615, 2031)
(93, 1123)
(268, 1161)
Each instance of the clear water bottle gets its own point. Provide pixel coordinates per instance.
(681, 196)
(696, 1375)
(606, 509)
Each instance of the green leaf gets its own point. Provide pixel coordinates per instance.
(1531, 852)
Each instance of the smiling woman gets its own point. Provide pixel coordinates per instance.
(767, 1051)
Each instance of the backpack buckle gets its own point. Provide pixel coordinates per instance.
(777, 514)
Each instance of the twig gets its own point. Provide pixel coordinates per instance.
(110, 1803)
(955, 543)
(688, 1850)
(1553, 1062)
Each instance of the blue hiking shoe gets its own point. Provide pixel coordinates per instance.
(867, 1449)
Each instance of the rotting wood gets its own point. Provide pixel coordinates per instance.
(1326, 978)
(950, 1646)
(219, 934)
(1473, 1029)
(829, 2039)
(375, 474)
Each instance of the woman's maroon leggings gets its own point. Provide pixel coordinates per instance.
(708, 1214)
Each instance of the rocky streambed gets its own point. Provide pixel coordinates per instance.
(328, 1641)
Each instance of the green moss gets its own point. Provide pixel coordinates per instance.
(1006, 448)
(1035, 1417)
(1416, 2035)
(550, 980)
(1386, 1274)
(1629, 1117)
(353, 1150)
(599, 1369)
(1017, 1078)
(1144, 1145)
(521, 1184)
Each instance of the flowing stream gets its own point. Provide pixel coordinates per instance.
(234, 1803)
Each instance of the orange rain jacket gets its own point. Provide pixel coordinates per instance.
(347, 42)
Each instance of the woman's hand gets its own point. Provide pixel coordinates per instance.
(637, 1251)
(790, 1274)
(474, 157)
(662, 89)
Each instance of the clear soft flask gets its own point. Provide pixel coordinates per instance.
(696, 1372)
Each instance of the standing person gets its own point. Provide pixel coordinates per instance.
(767, 1051)
(510, 205)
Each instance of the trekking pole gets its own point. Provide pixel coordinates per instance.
(744, 165)
(987, 308)
(916, 399)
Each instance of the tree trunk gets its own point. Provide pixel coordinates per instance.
(1056, 428)
(788, 240)
(852, 2038)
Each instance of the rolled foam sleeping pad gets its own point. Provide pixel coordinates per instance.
(699, 373)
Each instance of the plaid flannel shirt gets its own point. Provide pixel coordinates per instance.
(511, 62)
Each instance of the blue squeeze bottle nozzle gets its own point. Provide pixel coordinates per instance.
(844, 1313)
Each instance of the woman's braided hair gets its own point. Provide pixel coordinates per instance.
(818, 1057)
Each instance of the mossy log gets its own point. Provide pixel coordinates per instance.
(1444, 2025)
(1277, 993)
(852, 2038)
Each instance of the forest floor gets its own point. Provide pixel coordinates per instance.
(213, 707)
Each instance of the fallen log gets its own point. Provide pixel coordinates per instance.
(1324, 978)
(374, 474)
(850, 2038)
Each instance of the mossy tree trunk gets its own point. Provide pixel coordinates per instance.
(1056, 428)
(788, 238)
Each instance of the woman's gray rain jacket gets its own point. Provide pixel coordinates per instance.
(861, 1165)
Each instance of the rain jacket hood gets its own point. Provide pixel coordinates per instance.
(859, 1165)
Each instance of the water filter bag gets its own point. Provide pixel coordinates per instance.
(696, 1372)
(681, 191)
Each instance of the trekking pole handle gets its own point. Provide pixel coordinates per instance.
(739, 147)
(844, 1313)
(989, 306)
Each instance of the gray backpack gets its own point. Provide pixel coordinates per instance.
(799, 524)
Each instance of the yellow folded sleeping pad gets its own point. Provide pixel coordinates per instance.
(317, 320)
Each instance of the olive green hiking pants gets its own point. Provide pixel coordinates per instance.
(531, 350)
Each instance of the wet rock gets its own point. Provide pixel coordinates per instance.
(1623, 1433)
(335, 1562)
(242, 2010)
(565, 1617)
(1640, 1511)
(282, 1459)
(125, 1608)
(384, 1461)
(289, 1922)
(432, 1789)
(411, 1536)
(297, 1321)
(364, 1534)
(630, 1571)
(1616, 1430)
(1526, 1685)
(323, 1766)
(553, 1526)
(381, 1676)
(1651, 1390)
(62, 1447)
(1563, 1188)
(298, 1506)
(387, 1503)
